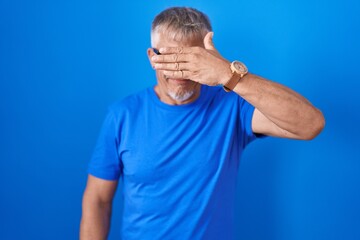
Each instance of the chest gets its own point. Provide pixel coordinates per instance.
(158, 145)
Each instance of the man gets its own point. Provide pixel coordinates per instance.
(177, 146)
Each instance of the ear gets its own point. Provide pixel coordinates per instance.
(208, 41)
(150, 53)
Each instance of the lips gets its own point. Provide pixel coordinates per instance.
(178, 80)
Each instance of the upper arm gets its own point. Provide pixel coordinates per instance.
(105, 161)
(263, 125)
(100, 190)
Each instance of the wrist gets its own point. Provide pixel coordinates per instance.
(243, 84)
(227, 75)
(238, 71)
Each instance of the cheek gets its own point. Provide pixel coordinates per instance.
(161, 77)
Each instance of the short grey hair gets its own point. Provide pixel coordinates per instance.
(180, 23)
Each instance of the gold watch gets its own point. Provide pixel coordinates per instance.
(239, 70)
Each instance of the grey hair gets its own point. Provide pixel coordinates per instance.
(180, 23)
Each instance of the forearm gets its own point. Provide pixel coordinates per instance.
(95, 221)
(281, 105)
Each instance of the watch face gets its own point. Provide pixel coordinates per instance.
(240, 67)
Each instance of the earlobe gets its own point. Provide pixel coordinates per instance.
(150, 53)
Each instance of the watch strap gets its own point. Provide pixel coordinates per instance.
(237, 74)
(230, 85)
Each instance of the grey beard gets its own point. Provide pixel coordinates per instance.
(181, 97)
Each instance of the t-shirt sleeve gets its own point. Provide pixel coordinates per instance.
(246, 114)
(105, 161)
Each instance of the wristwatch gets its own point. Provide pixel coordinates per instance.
(239, 70)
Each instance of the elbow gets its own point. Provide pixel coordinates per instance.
(315, 126)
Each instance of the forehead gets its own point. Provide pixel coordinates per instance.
(159, 39)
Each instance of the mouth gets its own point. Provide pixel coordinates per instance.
(179, 80)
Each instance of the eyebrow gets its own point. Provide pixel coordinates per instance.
(156, 51)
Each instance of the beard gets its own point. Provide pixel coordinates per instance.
(181, 96)
(180, 92)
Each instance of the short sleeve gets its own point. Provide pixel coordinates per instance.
(105, 162)
(246, 111)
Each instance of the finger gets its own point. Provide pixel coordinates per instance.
(171, 58)
(172, 66)
(208, 41)
(178, 74)
(171, 50)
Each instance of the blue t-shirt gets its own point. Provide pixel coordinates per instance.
(178, 164)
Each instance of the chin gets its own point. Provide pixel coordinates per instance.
(181, 96)
(180, 89)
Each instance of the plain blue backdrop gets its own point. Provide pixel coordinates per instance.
(63, 62)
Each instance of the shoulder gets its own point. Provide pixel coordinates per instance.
(125, 109)
(130, 102)
(218, 94)
(231, 102)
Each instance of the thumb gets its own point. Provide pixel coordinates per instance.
(208, 43)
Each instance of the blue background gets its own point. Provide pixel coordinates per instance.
(63, 62)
